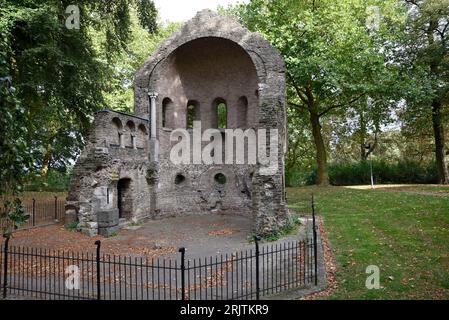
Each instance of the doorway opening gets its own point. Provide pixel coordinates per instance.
(124, 198)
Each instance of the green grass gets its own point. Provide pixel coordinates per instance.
(405, 234)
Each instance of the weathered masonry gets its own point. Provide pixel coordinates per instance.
(214, 71)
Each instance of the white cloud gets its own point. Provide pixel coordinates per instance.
(183, 10)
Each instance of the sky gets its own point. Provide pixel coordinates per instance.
(183, 10)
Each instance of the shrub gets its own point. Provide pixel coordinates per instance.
(73, 226)
(295, 177)
(12, 217)
(357, 173)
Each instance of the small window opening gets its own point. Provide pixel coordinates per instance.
(167, 111)
(220, 178)
(222, 116)
(190, 116)
(192, 113)
(179, 179)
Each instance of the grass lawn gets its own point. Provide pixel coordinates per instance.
(402, 230)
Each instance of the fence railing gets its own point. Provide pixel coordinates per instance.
(244, 275)
(42, 211)
(263, 270)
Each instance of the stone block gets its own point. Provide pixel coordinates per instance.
(109, 231)
(89, 232)
(108, 218)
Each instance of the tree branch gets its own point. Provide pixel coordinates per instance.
(297, 89)
(299, 106)
(341, 105)
(414, 2)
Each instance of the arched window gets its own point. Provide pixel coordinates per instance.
(131, 129)
(118, 125)
(131, 126)
(141, 136)
(167, 112)
(143, 129)
(242, 112)
(192, 113)
(221, 114)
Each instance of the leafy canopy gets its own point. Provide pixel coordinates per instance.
(53, 79)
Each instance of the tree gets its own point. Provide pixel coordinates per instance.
(424, 56)
(52, 77)
(334, 60)
(12, 217)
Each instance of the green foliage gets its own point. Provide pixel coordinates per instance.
(120, 95)
(296, 176)
(147, 15)
(222, 114)
(424, 57)
(53, 181)
(53, 79)
(358, 173)
(287, 230)
(12, 217)
(334, 61)
(14, 122)
(73, 226)
(424, 60)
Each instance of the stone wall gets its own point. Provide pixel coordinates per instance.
(214, 59)
(106, 160)
(211, 60)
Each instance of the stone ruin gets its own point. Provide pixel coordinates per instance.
(125, 175)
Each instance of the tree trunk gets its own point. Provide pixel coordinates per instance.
(438, 130)
(46, 161)
(440, 154)
(321, 156)
(363, 153)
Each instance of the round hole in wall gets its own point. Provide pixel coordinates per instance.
(220, 178)
(179, 179)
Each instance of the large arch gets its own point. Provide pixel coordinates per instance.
(267, 60)
(210, 57)
(202, 70)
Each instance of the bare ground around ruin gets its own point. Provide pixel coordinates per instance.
(202, 235)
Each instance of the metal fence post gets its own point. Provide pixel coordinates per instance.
(5, 267)
(56, 208)
(183, 269)
(256, 240)
(34, 212)
(315, 245)
(98, 244)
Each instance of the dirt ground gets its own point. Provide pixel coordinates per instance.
(201, 235)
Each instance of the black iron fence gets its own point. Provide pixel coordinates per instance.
(42, 211)
(263, 270)
(249, 274)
